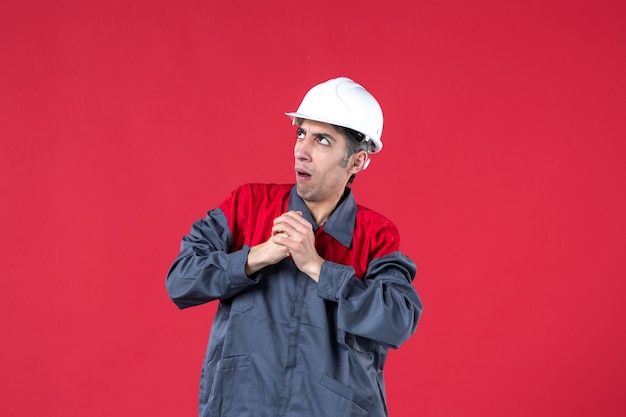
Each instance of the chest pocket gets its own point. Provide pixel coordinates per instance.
(244, 301)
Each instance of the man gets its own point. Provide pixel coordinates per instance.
(312, 288)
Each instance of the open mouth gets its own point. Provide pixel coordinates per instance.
(302, 174)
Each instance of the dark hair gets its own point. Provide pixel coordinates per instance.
(355, 143)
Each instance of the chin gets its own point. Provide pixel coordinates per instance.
(305, 193)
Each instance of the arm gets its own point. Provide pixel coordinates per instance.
(205, 270)
(384, 307)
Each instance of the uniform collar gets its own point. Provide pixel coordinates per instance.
(340, 224)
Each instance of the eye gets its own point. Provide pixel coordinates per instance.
(323, 140)
(300, 133)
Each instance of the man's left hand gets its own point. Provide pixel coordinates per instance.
(295, 233)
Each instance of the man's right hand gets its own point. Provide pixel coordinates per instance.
(264, 254)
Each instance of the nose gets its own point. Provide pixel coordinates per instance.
(302, 149)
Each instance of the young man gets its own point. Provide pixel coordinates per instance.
(312, 287)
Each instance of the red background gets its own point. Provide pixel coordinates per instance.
(122, 122)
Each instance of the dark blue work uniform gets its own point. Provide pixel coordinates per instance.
(282, 344)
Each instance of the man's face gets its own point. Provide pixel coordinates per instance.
(319, 152)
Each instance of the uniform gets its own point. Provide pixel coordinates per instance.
(282, 344)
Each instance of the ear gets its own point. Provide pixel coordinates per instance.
(358, 162)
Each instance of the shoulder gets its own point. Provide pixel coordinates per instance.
(251, 195)
(379, 229)
(372, 219)
(249, 207)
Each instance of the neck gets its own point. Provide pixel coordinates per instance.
(320, 214)
(321, 211)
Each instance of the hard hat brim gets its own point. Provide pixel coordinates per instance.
(296, 115)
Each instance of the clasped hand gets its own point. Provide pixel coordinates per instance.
(292, 235)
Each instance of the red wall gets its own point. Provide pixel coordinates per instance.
(122, 122)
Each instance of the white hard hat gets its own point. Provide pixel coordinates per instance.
(342, 102)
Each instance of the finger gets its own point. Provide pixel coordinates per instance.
(295, 219)
(283, 240)
(293, 215)
(285, 229)
(286, 223)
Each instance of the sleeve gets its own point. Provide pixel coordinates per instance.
(383, 307)
(205, 269)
